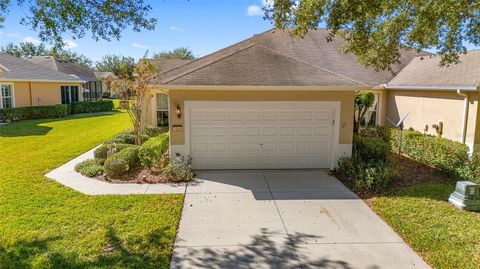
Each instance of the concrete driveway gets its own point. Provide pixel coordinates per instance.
(283, 219)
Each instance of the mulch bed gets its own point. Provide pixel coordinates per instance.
(139, 175)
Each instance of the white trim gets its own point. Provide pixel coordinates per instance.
(161, 87)
(41, 80)
(434, 88)
(334, 106)
(4, 68)
(13, 94)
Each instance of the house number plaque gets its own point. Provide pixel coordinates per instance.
(177, 128)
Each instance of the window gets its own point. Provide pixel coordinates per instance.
(6, 94)
(371, 117)
(69, 94)
(162, 110)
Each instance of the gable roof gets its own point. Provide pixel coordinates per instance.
(267, 53)
(64, 67)
(104, 75)
(166, 65)
(427, 72)
(16, 69)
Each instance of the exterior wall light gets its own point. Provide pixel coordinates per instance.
(179, 112)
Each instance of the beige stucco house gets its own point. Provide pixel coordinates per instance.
(440, 100)
(268, 102)
(26, 84)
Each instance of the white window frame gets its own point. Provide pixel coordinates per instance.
(163, 109)
(13, 94)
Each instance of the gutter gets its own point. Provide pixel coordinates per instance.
(40, 80)
(433, 88)
(466, 105)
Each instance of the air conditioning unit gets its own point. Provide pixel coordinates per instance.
(466, 196)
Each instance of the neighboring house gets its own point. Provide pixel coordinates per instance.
(24, 84)
(91, 89)
(106, 79)
(270, 101)
(439, 100)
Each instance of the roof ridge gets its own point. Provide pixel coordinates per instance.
(222, 49)
(314, 66)
(209, 63)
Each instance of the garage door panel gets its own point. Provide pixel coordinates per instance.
(223, 137)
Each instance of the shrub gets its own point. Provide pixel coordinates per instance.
(152, 131)
(89, 168)
(471, 171)
(151, 151)
(179, 171)
(34, 112)
(102, 152)
(371, 149)
(121, 163)
(91, 106)
(122, 138)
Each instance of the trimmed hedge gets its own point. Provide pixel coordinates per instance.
(91, 106)
(371, 149)
(89, 168)
(34, 112)
(101, 153)
(121, 163)
(123, 138)
(151, 151)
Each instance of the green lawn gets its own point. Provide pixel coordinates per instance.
(46, 225)
(445, 236)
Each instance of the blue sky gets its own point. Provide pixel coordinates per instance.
(203, 26)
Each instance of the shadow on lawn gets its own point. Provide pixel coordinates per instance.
(37, 128)
(262, 251)
(152, 251)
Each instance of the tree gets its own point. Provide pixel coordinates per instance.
(104, 19)
(363, 101)
(376, 30)
(144, 72)
(26, 49)
(178, 53)
(120, 66)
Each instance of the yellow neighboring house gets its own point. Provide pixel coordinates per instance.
(26, 84)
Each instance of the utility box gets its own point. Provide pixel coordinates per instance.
(466, 196)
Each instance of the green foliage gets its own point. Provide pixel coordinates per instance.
(363, 101)
(371, 149)
(34, 112)
(471, 170)
(151, 151)
(122, 162)
(122, 138)
(102, 152)
(26, 49)
(180, 170)
(377, 30)
(178, 53)
(89, 168)
(91, 106)
(121, 66)
(105, 19)
(152, 131)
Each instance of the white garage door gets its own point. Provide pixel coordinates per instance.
(260, 135)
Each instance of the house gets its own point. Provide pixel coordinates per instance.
(91, 89)
(106, 79)
(440, 101)
(26, 84)
(267, 102)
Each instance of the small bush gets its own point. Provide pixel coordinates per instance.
(471, 171)
(89, 168)
(371, 149)
(122, 138)
(152, 131)
(91, 106)
(151, 151)
(102, 152)
(34, 112)
(178, 171)
(121, 163)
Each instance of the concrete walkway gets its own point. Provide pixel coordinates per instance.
(67, 176)
(283, 219)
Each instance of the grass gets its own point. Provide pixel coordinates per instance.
(443, 235)
(47, 225)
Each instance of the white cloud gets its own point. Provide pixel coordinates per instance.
(14, 35)
(176, 29)
(139, 46)
(31, 40)
(254, 10)
(70, 44)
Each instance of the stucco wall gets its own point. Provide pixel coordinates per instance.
(429, 107)
(177, 97)
(40, 93)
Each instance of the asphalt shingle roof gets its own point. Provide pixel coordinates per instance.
(64, 67)
(426, 71)
(20, 69)
(276, 58)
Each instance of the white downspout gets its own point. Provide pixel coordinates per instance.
(465, 114)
